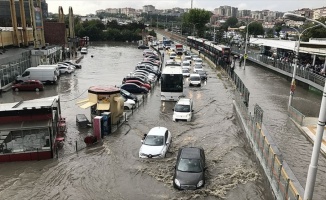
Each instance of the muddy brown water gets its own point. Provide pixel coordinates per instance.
(112, 169)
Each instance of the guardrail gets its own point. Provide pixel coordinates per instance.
(281, 178)
(296, 115)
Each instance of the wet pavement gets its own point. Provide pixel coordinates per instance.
(112, 169)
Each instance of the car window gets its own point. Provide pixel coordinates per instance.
(181, 108)
(154, 140)
(166, 135)
(194, 78)
(189, 165)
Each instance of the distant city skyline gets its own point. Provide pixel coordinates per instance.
(83, 7)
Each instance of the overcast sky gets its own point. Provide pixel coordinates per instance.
(83, 7)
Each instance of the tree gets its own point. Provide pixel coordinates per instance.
(197, 19)
(270, 33)
(317, 32)
(256, 28)
(278, 27)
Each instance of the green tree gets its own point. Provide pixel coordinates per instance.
(278, 27)
(197, 19)
(317, 32)
(256, 28)
(270, 33)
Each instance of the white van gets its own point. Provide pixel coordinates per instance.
(83, 50)
(43, 74)
(183, 110)
(55, 66)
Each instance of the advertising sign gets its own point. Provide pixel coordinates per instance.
(38, 18)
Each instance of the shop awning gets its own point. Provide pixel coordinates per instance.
(87, 105)
(103, 106)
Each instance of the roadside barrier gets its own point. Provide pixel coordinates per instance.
(296, 115)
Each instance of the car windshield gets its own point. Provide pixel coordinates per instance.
(195, 78)
(189, 165)
(185, 70)
(200, 72)
(198, 66)
(181, 108)
(154, 140)
(124, 91)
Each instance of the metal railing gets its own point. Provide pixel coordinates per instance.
(284, 66)
(296, 115)
(285, 187)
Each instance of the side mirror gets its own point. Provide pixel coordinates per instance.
(142, 141)
(192, 110)
(167, 142)
(172, 109)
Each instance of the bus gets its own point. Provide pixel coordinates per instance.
(171, 83)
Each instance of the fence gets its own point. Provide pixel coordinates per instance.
(296, 115)
(284, 184)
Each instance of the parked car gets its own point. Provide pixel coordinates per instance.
(194, 80)
(28, 85)
(43, 74)
(133, 88)
(65, 69)
(202, 74)
(148, 86)
(190, 169)
(77, 66)
(128, 95)
(155, 143)
(67, 64)
(129, 104)
(183, 110)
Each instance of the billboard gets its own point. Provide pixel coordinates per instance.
(38, 18)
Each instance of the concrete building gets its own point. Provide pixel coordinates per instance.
(113, 10)
(319, 12)
(5, 15)
(244, 13)
(128, 11)
(148, 8)
(307, 12)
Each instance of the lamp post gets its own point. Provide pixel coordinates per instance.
(245, 56)
(292, 88)
(194, 27)
(312, 172)
(1, 38)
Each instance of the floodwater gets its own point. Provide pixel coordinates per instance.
(271, 92)
(112, 169)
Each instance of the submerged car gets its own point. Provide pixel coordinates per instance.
(155, 143)
(190, 169)
(29, 85)
(183, 110)
(202, 74)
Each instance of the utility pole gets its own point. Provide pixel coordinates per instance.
(214, 35)
(14, 22)
(191, 4)
(157, 22)
(23, 21)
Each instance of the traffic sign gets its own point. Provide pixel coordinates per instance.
(245, 56)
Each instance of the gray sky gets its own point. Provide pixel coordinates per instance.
(84, 7)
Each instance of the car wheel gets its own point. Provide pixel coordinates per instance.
(16, 89)
(37, 89)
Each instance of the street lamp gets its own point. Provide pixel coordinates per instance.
(193, 30)
(245, 56)
(312, 172)
(296, 62)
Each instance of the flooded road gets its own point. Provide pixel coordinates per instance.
(112, 169)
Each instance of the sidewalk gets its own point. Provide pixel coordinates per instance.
(309, 128)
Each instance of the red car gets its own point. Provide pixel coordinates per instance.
(29, 85)
(139, 83)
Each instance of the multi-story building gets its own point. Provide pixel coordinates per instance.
(319, 12)
(128, 11)
(113, 10)
(100, 11)
(5, 15)
(244, 13)
(257, 15)
(306, 12)
(226, 11)
(148, 8)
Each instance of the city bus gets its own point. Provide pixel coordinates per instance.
(171, 83)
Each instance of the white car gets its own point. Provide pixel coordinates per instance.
(155, 143)
(185, 72)
(65, 69)
(84, 50)
(67, 64)
(194, 80)
(197, 67)
(129, 104)
(198, 60)
(173, 55)
(183, 110)
(186, 64)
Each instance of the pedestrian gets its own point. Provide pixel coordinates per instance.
(199, 52)
(240, 62)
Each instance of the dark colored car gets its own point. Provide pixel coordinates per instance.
(29, 85)
(128, 95)
(139, 83)
(143, 47)
(202, 74)
(133, 88)
(190, 169)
